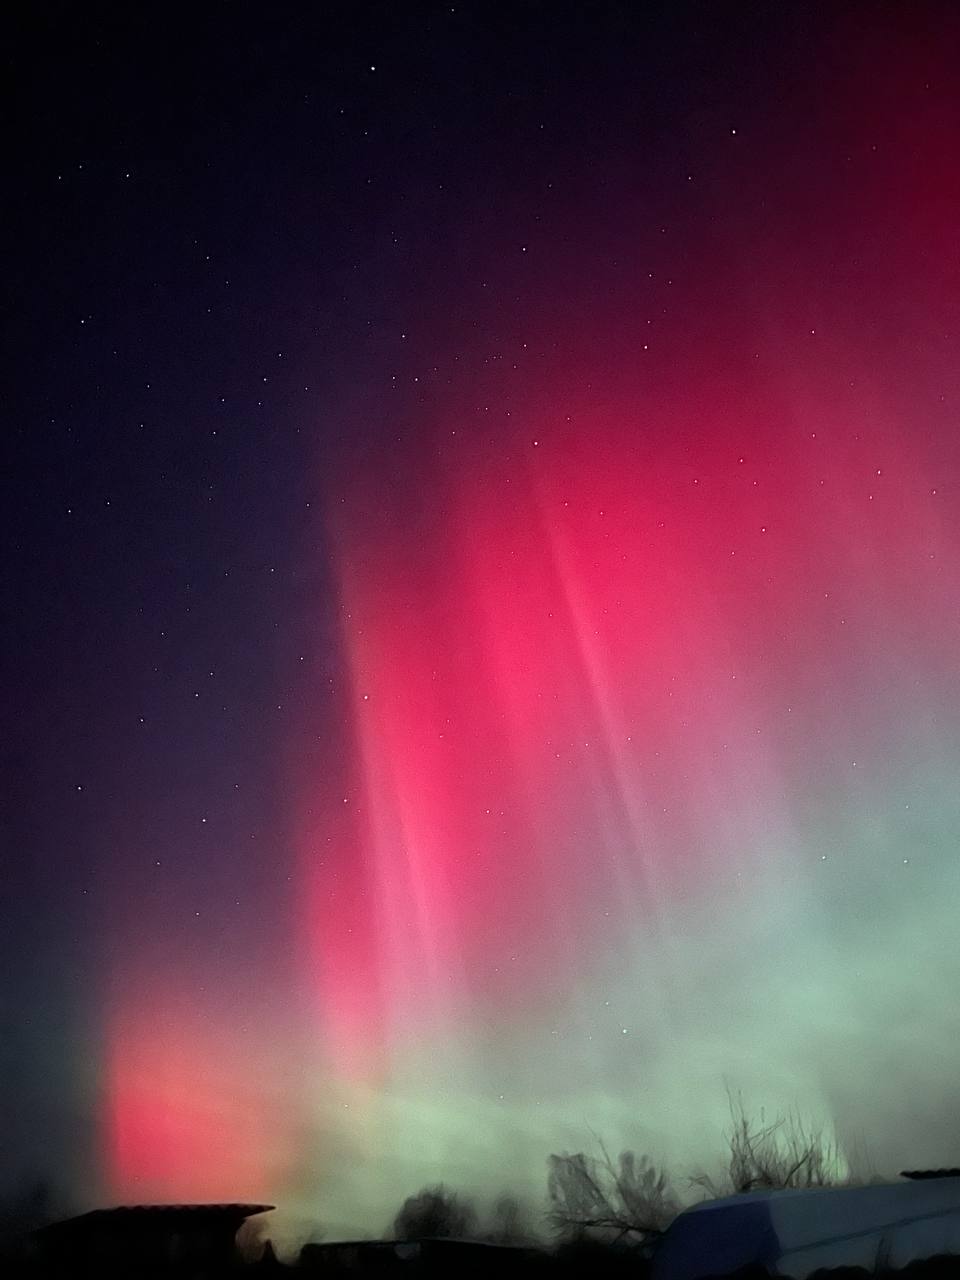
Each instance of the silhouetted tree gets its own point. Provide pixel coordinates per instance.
(593, 1195)
(509, 1222)
(435, 1211)
(34, 1204)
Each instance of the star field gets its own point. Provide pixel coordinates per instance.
(480, 592)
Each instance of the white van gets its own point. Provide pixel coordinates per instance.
(792, 1233)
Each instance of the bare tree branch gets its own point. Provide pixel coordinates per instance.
(774, 1156)
(587, 1194)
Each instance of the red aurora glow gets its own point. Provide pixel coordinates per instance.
(572, 660)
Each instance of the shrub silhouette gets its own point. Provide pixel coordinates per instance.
(508, 1222)
(435, 1212)
(784, 1153)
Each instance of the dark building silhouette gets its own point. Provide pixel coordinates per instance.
(194, 1240)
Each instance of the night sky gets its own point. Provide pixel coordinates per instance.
(480, 591)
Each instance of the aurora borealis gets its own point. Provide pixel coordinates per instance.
(485, 597)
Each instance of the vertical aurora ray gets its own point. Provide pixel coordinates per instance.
(201, 1095)
(645, 779)
(616, 703)
(185, 1118)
